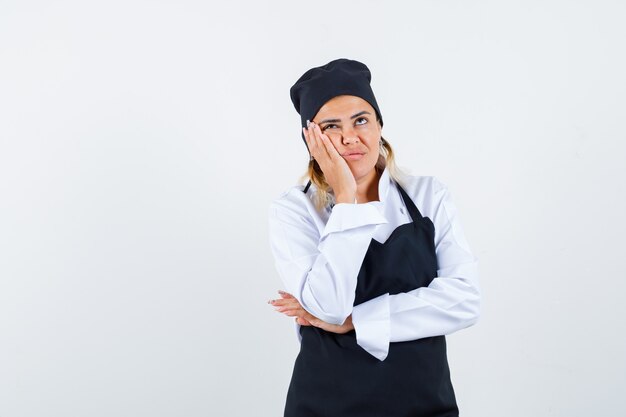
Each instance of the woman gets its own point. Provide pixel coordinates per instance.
(375, 264)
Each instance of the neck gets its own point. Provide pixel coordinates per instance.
(367, 187)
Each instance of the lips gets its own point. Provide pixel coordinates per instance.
(353, 155)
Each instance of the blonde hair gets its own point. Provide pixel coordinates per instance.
(323, 198)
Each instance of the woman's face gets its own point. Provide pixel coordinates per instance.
(350, 123)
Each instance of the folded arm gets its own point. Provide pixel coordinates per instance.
(450, 302)
(320, 269)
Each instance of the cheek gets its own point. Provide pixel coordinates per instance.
(335, 140)
(375, 156)
(373, 144)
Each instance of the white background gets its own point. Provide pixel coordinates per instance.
(141, 143)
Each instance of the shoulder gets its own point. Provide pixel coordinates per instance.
(292, 203)
(422, 186)
(293, 195)
(426, 191)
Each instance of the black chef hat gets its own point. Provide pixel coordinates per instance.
(318, 85)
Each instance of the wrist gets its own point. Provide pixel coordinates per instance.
(349, 199)
(349, 322)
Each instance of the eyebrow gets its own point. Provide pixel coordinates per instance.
(339, 120)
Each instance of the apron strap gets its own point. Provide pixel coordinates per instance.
(410, 205)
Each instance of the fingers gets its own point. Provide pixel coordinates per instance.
(302, 322)
(290, 311)
(294, 313)
(285, 294)
(285, 300)
(326, 143)
(286, 304)
(290, 306)
(310, 142)
(317, 148)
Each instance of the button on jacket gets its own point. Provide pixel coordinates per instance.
(318, 255)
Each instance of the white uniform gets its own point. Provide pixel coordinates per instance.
(315, 255)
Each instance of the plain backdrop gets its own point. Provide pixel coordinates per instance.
(141, 143)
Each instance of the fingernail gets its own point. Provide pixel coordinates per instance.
(281, 292)
(308, 122)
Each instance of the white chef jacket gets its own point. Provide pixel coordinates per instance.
(318, 255)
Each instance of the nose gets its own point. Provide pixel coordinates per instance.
(349, 135)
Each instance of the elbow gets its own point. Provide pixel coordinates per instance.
(474, 318)
(330, 308)
(472, 309)
(338, 310)
(467, 315)
(468, 308)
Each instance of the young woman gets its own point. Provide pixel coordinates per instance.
(375, 263)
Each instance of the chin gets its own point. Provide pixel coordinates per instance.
(361, 170)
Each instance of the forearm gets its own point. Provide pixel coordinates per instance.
(320, 268)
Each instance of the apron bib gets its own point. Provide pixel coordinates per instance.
(335, 377)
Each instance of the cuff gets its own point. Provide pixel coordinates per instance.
(346, 216)
(371, 324)
(297, 328)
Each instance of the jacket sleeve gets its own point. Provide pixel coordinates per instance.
(450, 302)
(320, 269)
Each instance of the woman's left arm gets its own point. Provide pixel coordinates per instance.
(451, 301)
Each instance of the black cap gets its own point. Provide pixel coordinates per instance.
(318, 85)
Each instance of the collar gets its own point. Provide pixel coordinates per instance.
(383, 185)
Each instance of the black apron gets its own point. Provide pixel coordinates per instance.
(335, 377)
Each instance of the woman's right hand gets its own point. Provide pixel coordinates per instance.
(290, 306)
(336, 170)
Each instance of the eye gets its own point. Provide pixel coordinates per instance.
(328, 126)
(361, 118)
